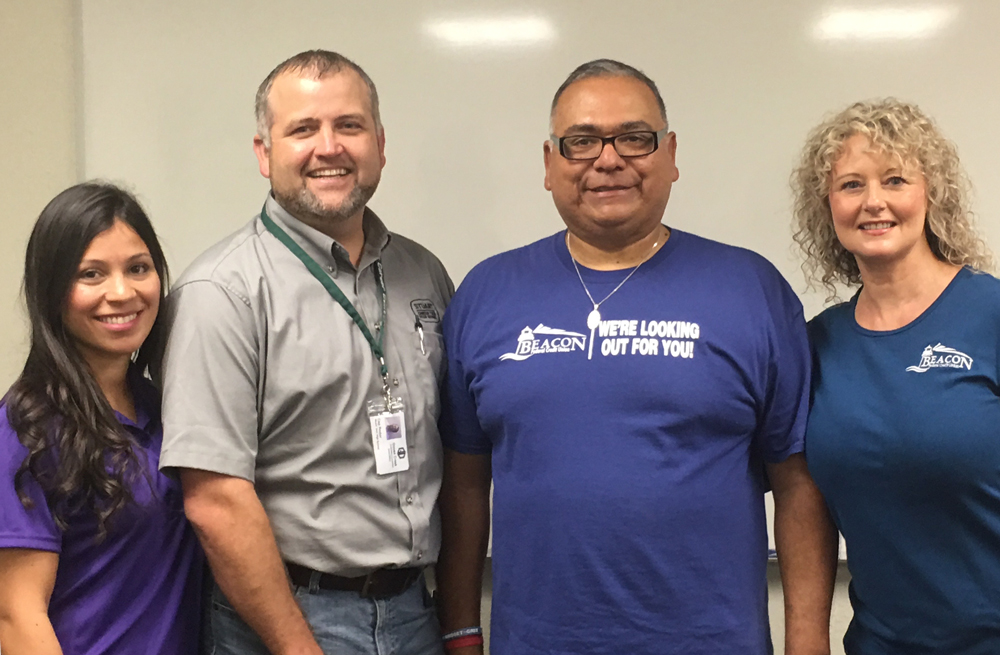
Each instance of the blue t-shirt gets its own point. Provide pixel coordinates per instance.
(628, 462)
(904, 443)
(137, 592)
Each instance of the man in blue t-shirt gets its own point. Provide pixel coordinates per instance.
(629, 389)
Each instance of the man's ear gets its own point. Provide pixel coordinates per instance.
(547, 156)
(263, 156)
(381, 146)
(671, 147)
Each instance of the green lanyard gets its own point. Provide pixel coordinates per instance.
(338, 295)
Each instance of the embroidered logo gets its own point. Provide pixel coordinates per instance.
(941, 357)
(425, 311)
(542, 340)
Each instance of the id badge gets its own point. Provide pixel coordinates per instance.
(388, 436)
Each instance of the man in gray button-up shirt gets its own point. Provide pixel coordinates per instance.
(267, 380)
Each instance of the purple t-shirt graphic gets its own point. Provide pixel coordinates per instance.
(138, 591)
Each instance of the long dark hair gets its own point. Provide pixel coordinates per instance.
(78, 452)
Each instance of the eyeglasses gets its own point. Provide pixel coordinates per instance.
(589, 146)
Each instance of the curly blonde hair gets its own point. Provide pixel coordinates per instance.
(901, 131)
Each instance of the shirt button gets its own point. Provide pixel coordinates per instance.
(409, 500)
(329, 269)
(395, 382)
(420, 554)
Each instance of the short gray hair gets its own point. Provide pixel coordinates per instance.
(319, 63)
(608, 68)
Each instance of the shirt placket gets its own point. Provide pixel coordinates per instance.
(410, 500)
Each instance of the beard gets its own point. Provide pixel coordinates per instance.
(304, 204)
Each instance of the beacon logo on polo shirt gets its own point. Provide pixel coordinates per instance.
(542, 340)
(941, 357)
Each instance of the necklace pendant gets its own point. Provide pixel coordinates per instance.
(593, 319)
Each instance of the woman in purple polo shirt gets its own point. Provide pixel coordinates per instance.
(95, 553)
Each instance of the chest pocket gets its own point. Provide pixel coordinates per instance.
(421, 352)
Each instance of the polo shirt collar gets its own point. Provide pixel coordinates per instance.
(146, 399)
(326, 250)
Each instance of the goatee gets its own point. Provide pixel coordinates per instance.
(305, 206)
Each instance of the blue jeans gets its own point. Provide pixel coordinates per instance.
(343, 623)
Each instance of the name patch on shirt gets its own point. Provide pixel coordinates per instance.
(425, 310)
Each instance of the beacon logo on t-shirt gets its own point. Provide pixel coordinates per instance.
(611, 338)
(543, 339)
(941, 357)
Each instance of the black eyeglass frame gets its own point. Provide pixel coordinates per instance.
(605, 140)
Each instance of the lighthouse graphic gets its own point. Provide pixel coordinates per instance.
(525, 341)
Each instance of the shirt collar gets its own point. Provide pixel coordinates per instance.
(377, 237)
(324, 249)
(146, 399)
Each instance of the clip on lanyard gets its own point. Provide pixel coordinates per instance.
(338, 295)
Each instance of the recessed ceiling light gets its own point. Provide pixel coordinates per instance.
(883, 23)
(492, 32)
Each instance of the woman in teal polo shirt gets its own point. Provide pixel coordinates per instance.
(904, 429)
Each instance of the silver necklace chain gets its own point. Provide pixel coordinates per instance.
(594, 318)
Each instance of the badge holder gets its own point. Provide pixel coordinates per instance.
(388, 434)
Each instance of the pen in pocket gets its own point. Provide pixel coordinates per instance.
(420, 333)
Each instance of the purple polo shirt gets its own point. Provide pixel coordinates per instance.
(138, 591)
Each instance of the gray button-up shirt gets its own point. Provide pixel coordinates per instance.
(267, 378)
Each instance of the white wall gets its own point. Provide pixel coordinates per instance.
(38, 130)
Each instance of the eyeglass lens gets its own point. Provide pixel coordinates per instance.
(630, 144)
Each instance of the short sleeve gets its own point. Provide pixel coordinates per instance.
(782, 428)
(21, 527)
(459, 424)
(210, 374)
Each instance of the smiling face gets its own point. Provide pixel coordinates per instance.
(114, 297)
(326, 154)
(611, 199)
(878, 205)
